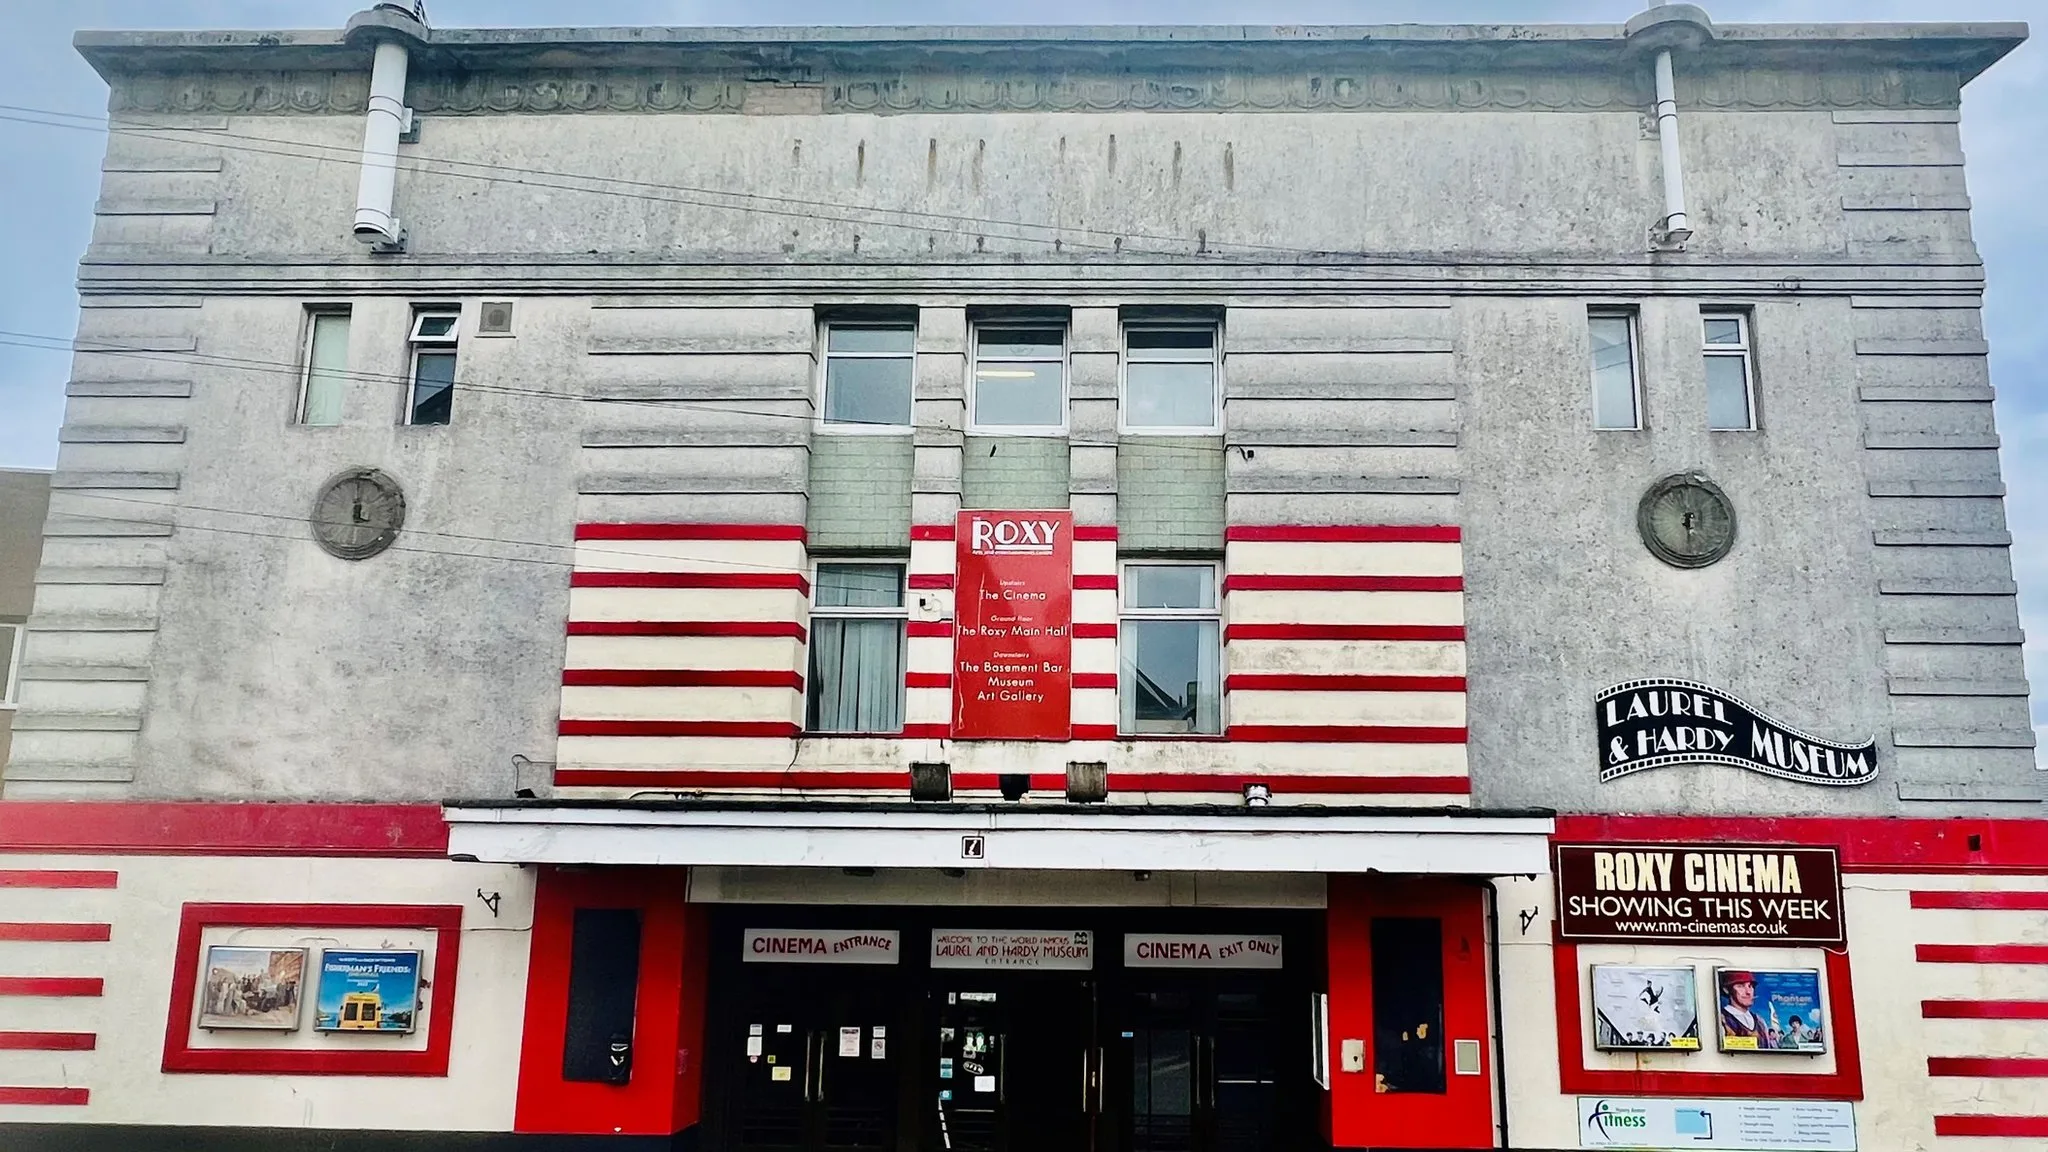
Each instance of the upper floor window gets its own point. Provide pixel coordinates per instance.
(431, 398)
(11, 636)
(324, 379)
(1169, 659)
(868, 371)
(1020, 379)
(857, 648)
(1731, 390)
(1170, 380)
(1616, 389)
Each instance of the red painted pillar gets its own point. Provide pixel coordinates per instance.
(664, 1092)
(1365, 1110)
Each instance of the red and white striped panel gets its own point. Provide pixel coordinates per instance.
(1980, 964)
(1345, 655)
(55, 924)
(685, 647)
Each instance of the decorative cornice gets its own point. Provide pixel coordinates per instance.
(659, 91)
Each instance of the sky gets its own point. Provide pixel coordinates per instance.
(48, 188)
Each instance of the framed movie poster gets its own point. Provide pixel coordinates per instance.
(1647, 1009)
(1770, 1010)
(368, 992)
(252, 987)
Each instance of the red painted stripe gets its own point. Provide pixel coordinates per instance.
(1094, 732)
(1994, 1067)
(670, 531)
(2007, 901)
(696, 779)
(768, 628)
(1277, 682)
(1345, 533)
(1299, 632)
(927, 679)
(1984, 1009)
(72, 933)
(195, 829)
(1282, 785)
(1095, 680)
(1972, 847)
(931, 531)
(1094, 631)
(58, 879)
(680, 678)
(934, 629)
(991, 781)
(1344, 734)
(793, 581)
(1095, 583)
(699, 779)
(48, 1041)
(931, 580)
(1991, 1125)
(1096, 532)
(757, 729)
(924, 732)
(76, 1096)
(52, 986)
(1981, 953)
(1318, 583)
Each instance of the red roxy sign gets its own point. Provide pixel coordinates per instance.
(1013, 634)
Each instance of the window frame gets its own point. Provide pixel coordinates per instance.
(1126, 614)
(1744, 350)
(1633, 318)
(1065, 361)
(1124, 426)
(417, 345)
(831, 427)
(10, 663)
(314, 313)
(900, 613)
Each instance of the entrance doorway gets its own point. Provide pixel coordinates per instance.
(821, 1061)
(1012, 1065)
(1194, 1065)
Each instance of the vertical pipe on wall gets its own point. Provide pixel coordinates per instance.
(382, 126)
(1674, 229)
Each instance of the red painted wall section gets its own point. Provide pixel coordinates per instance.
(1359, 1115)
(662, 1096)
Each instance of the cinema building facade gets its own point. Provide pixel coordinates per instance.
(1167, 590)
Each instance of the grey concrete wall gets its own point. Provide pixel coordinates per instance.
(1405, 282)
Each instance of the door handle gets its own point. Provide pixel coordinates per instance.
(1098, 1079)
(1084, 1080)
(819, 1097)
(808, 1037)
(1002, 1067)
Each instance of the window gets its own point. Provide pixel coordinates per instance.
(868, 369)
(1724, 342)
(1614, 370)
(857, 628)
(326, 368)
(1168, 660)
(10, 661)
(433, 366)
(1020, 380)
(1170, 380)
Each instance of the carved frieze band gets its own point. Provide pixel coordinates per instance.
(645, 90)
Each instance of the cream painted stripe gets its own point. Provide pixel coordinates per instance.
(1978, 926)
(1982, 982)
(1095, 656)
(781, 705)
(929, 654)
(928, 706)
(1417, 709)
(1944, 882)
(1094, 606)
(929, 556)
(1224, 757)
(1348, 657)
(671, 752)
(1095, 557)
(1242, 557)
(1095, 706)
(687, 604)
(1984, 1096)
(1345, 607)
(735, 556)
(712, 653)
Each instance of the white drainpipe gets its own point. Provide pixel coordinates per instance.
(1673, 231)
(386, 121)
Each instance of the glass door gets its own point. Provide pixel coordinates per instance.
(1194, 1067)
(1012, 1065)
(820, 1068)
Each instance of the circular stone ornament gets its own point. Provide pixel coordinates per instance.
(1686, 521)
(358, 513)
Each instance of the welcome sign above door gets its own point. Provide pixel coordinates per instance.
(1653, 723)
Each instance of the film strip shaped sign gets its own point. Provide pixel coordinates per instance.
(1653, 723)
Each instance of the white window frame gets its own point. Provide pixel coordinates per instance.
(825, 356)
(10, 663)
(1744, 350)
(416, 344)
(1123, 406)
(1124, 612)
(314, 314)
(1635, 363)
(901, 613)
(1065, 361)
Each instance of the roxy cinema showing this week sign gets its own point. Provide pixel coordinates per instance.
(1654, 723)
(1685, 893)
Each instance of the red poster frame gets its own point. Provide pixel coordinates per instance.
(1013, 569)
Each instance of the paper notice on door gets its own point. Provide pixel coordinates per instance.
(879, 1049)
(753, 1045)
(849, 1041)
(984, 1083)
(753, 1029)
(784, 1027)
(780, 1072)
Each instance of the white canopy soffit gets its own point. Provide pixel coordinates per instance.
(954, 836)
